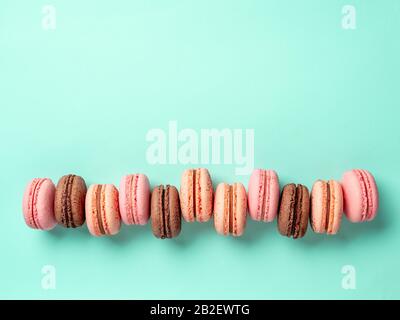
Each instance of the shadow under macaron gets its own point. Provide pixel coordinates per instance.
(256, 231)
(60, 233)
(348, 232)
(195, 231)
(129, 234)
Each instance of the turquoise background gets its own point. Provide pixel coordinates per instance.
(80, 99)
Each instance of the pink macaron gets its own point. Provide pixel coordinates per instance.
(102, 210)
(38, 204)
(263, 196)
(134, 199)
(361, 198)
(326, 206)
(230, 209)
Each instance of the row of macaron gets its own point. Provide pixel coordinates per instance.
(103, 206)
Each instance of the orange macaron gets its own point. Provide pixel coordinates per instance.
(102, 210)
(230, 209)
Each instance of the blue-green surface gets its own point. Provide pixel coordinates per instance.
(81, 99)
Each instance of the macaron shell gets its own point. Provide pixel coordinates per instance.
(302, 211)
(219, 208)
(319, 211)
(174, 212)
(286, 209)
(26, 204)
(39, 193)
(273, 197)
(263, 195)
(157, 221)
(124, 200)
(372, 193)
(111, 212)
(143, 199)
(186, 196)
(240, 209)
(91, 201)
(336, 207)
(360, 195)
(205, 211)
(90, 210)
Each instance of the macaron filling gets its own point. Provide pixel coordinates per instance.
(230, 209)
(99, 209)
(135, 180)
(267, 195)
(292, 214)
(66, 209)
(295, 213)
(33, 209)
(196, 193)
(328, 207)
(366, 198)
(333, 207)
(31, 202)
(294, 231)
(264, 195)
(131, 184)
(165, 228)
(368, 188)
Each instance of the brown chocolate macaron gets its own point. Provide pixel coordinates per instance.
(165, 212)
(294, 211)
(69, 202)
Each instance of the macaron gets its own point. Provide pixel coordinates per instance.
(263, 195)
(326, 206)
(196, 195)
(361, 197)
(165, 212)
(69, 203)
(102, 210)
(134, 199)
(230, 209)
(38, 204)
(294, 211)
